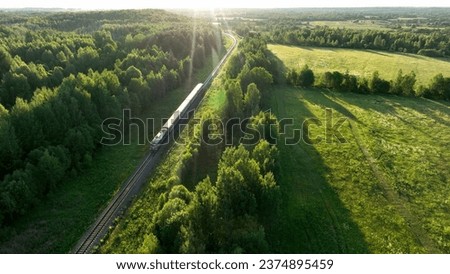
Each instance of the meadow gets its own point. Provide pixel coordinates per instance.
(385, 189)
(352, 24)
(361, 62)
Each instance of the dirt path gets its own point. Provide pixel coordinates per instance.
(392, 196)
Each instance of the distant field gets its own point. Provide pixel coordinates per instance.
(386, 190)
(360, 62)
(352, 24)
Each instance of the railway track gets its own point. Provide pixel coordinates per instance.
(99, 229)
(133, 184)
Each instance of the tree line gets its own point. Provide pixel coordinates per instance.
(57, 86)
(433, 43)
(418, 31)
(403, 84)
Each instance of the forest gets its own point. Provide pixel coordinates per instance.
(62, 74)
(230, 183)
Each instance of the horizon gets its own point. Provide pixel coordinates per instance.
(202, 5)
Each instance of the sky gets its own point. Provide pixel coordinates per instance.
(207, 4)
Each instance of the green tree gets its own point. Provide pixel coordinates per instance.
(378, 85)
(5, 61)
(28, 129)
(332, 80)
(17, 193)
(130, 73)
(171, 220)
(234, 103)
(48, 167)
(404, 84)
(203, 222)
(9, 147)
(265, 155)
(439, 88)
(266, 124)
(87, 57)
(252, 100)
(292, 77)
(15, 85)
(350, 83)
(80, 142)
(258, 75)
(235, 65)
(305, 77)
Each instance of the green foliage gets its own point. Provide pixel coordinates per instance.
(203, 219)
(235, 65)
(9, 148)
(404, 84)
(220, 217)
(378, 85)
(265, 155)
(266, 125)
(149, 245)
(245, 195)
(252, 100)
(87, 58)
(439, 88)
(433, 42)
(15, 85)
(67, 75)
(130, 73)
(350, 84)
(332, 80)
(304, 78)
(5, 61)
(257, 75)
(234, 105)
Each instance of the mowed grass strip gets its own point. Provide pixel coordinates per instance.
(361, 62)
(336, 201)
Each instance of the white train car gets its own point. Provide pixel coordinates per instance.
(186, 104)
(168, 127)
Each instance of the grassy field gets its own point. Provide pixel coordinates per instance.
(350, 24)
(58, 223)
(361, 63)
(384, 190)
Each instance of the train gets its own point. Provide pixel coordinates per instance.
(173, 120)
(181, 111)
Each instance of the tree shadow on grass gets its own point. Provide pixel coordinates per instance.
(324, 98)
(313, 219)
(427, 106)
(378, 53)
(379, 103)
(387, 104)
